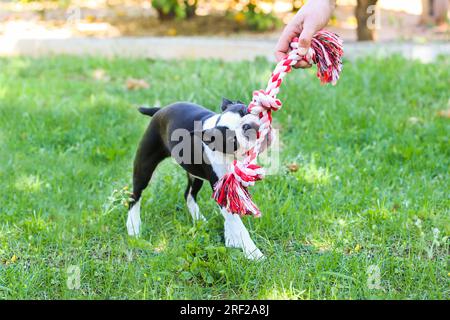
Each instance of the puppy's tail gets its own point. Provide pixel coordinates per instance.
(148, 111)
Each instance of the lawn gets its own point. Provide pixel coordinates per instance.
(366, 215)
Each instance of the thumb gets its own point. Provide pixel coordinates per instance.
(304, 41)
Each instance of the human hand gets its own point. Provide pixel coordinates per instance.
(312, 17)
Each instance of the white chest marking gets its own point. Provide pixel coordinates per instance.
(219, 161)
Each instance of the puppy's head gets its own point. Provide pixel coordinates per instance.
(235, 130)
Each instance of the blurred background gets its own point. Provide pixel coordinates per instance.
(24, 24)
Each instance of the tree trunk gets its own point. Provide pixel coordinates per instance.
(427, 12)
(440, 10)
(434, 12)
(363, 14)
(163, 16)
(191, 6)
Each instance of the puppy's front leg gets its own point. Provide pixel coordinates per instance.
(237, 236)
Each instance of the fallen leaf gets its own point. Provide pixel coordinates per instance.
(293, 167)
(172, 32)
(444, 113)
(13, 258)
(136, 84)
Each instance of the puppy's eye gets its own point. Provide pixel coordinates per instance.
(246, 127)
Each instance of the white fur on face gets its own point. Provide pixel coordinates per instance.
(234, 121)
(244, 143)
(231, 120)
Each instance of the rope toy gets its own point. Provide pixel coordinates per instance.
(231, 190)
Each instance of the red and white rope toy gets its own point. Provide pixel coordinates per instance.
(231, 191)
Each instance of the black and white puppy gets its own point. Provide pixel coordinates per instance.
(204, 144)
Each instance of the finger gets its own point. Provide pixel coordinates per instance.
(282, 47)
(283, 41)
(306, 35)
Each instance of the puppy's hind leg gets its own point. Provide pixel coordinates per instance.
(134, 218)
(148, 156)
(193, 187)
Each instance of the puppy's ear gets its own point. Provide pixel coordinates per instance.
(226, 103)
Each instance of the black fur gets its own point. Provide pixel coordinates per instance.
(148, 111)
(156, 144)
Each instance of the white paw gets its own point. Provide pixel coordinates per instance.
(197, 216)
(194, 209)
(133, 226)
(237, 236)
(232, 240)
(134, 219)
(235, 240)
(256, 254)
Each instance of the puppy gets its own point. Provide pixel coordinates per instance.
(204, 144)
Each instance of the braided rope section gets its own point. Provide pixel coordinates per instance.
(231, 191)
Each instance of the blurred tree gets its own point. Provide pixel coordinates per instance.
(363, 12)
(257, 19)
(252, 16)
(434, 11)
(440, 11)
(191, 6)
(170, 9)
(297, 4)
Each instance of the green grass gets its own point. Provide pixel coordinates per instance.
(372, 186)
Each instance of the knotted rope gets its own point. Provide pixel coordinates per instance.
(231, 190)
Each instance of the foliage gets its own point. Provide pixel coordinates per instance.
(255, 19)
(258, 20)
(169, 9)
(370, 189)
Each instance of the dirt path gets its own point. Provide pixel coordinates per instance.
(134, 30)
(229, 49)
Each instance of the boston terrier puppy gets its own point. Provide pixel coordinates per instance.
(204, 144)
